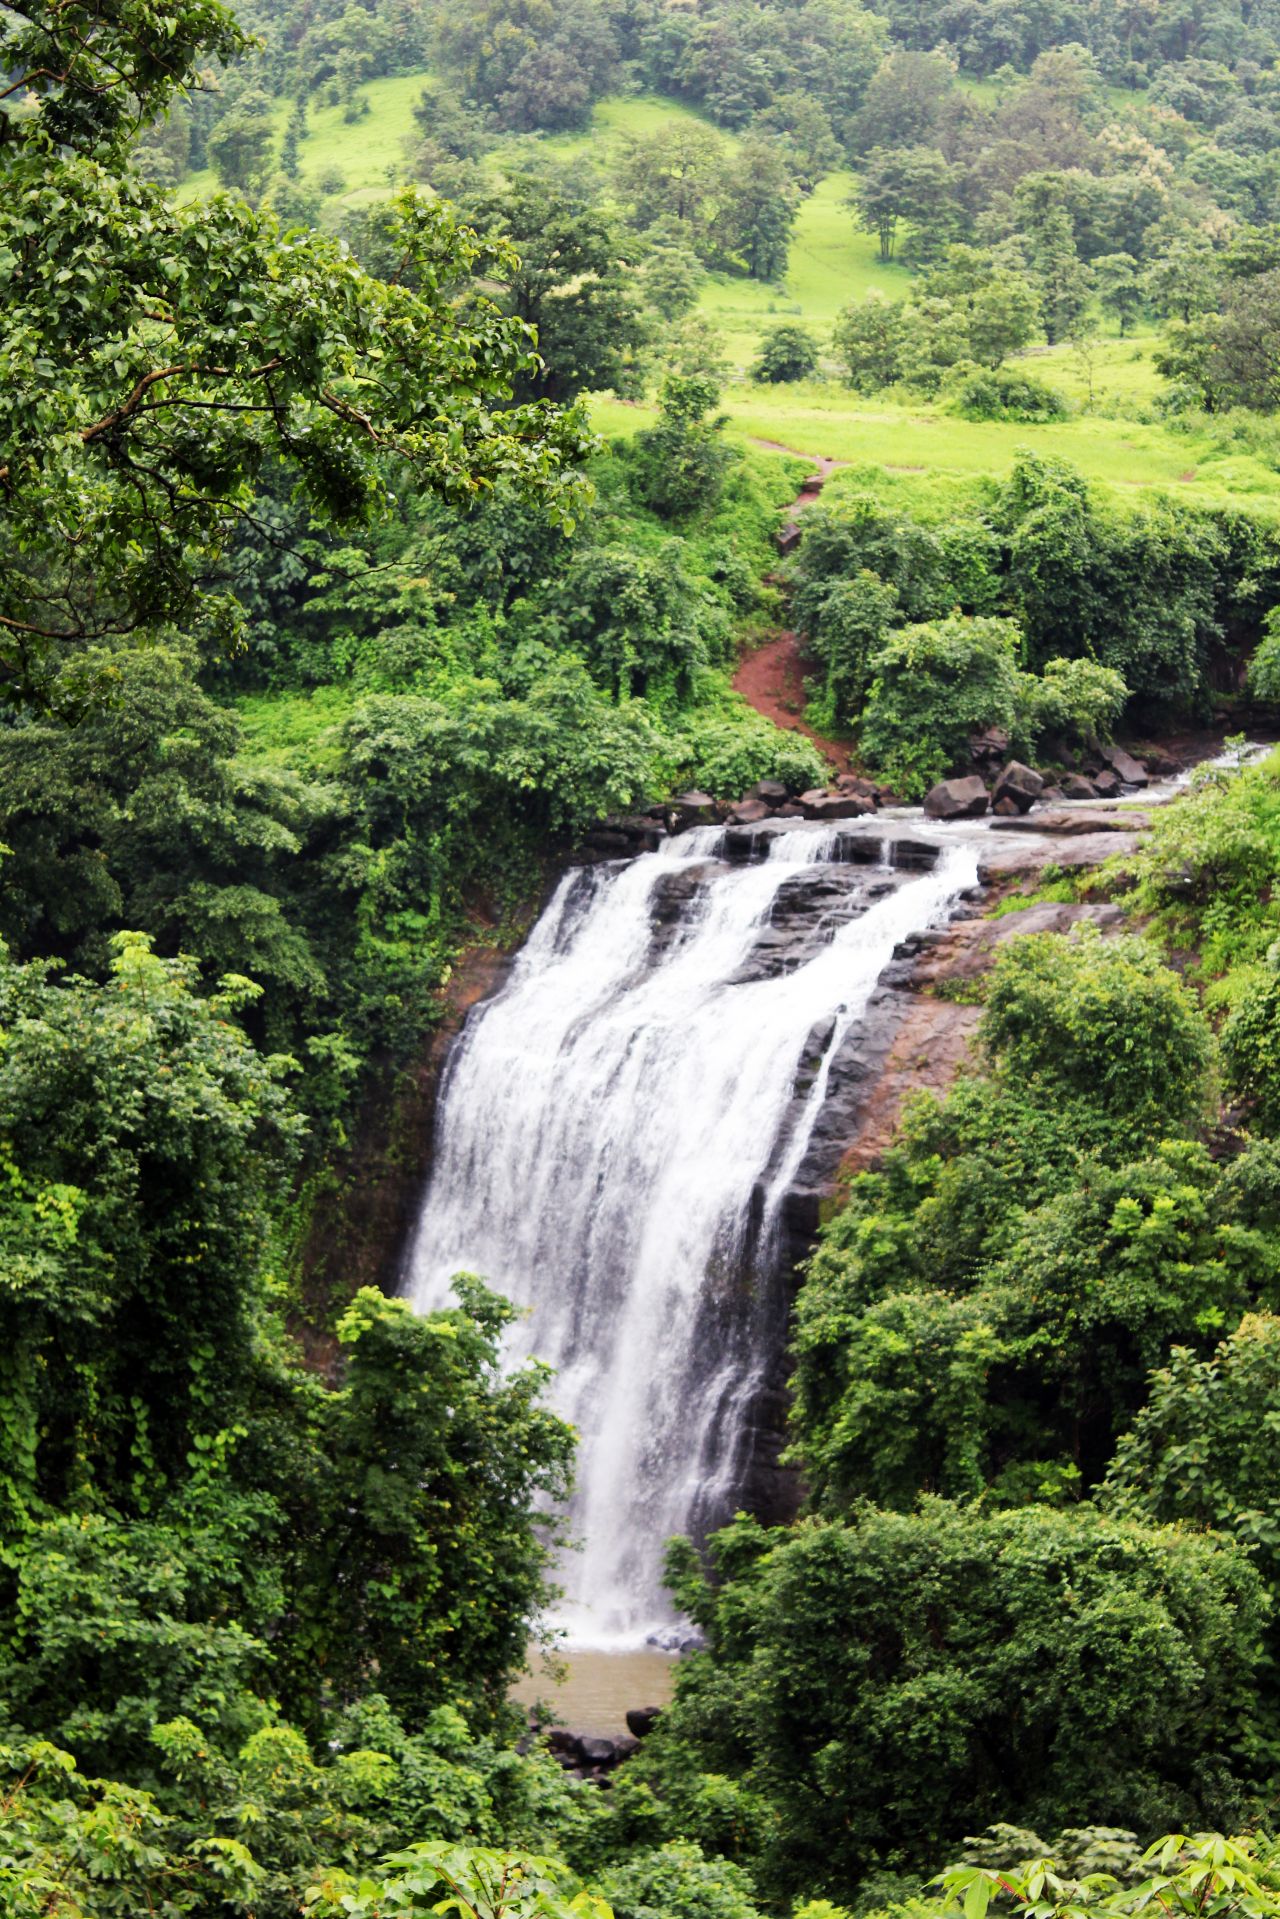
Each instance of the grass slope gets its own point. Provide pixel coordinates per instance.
(831, 263)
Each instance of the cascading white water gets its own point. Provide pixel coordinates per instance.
(604, 1123)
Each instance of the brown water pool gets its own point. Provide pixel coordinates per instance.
(597, 1687)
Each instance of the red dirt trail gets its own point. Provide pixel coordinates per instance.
(771, 678)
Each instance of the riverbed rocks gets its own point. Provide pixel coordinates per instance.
(965, 799)
(1131, 772)
(1006, 788)
(593, 1756)
(821, 805)
(1017, 788)
(641, 1720)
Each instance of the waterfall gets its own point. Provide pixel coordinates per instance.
(615, 1134)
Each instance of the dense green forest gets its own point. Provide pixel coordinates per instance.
(397, 406)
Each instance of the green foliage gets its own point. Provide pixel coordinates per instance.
(786, 353)
(560, 269)
(934, 684)
(1075, 702)
(475, 1882)
(144, 1138)
(980, 394)
(890, 1683)
(417, 1560)
(1103, 1020)
(678, 1881)
(682, 460)
(156, 357)
(1264, 667)
(1202, 1449)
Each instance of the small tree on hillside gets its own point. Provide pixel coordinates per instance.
(787, 353)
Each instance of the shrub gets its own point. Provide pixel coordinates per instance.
(892, 1683)
(934, 685)
(1264, 667)
(1075, 701)
(1099, 1019)
(1000, 393)
(786, 353)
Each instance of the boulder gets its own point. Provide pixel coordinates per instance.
(788, 537)
(1107, 783)
(1076, 787)
(1131, 771)
(1019, 784)
(956, 799)
(1161, 766)
(692, 809)
(856, 783)
(594, 1751)
(641, 1720)
(748, 812)
(991, 745)
(1074, 825)
(791, 811)
(835, 806)
(1007, 808)
(1052, 796)
(772, 792)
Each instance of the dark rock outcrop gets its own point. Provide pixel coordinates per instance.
(956, 799)
(1131, 771)
(1019, 785)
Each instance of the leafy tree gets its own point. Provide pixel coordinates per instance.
(934, 685)
(157, 356)
(670, 277)
(911, 184)
(1062, 281)
(683, 459)
(868, 340)
(676, 175)
(848, 624)
(1099, 1017)
(241, 143)
(1002, 318)
(416, 1560)
(1116, 276)
(568, 281)
(143, 1135)
(1202, 1448)
(758, 209)
(904, 101)
(886, 1685)
(786, 353)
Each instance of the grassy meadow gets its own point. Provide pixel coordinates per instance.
(1114, 435)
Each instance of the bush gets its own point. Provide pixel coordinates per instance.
(849, 621)
(724, 747)
(1264, 668)
(891, 1684)
(1251, 1044)
(1000, 393)
(786, 353)
(1103, 1020)
(681, 461)
(934, 685)
(679, 1881)
(1074, 701)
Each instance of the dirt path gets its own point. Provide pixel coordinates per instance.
(772, 677)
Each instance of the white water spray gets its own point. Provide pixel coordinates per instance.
(603, 1126)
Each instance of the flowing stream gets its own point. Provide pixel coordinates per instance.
(616, 1132)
